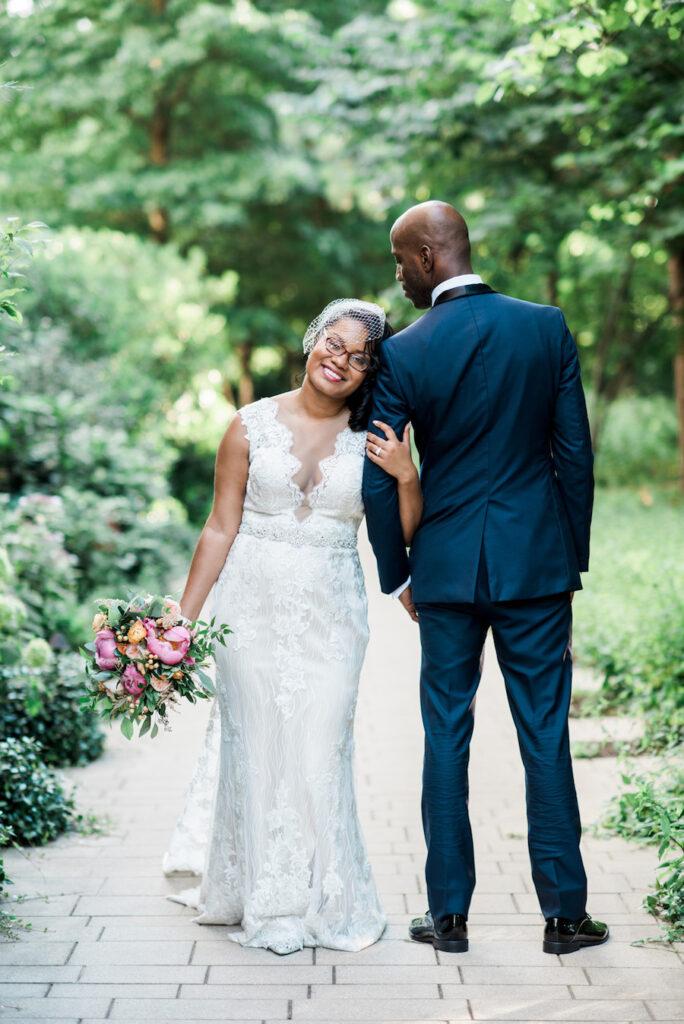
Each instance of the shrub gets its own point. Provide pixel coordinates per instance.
(32, 801)
(44, 573)
(652, 811)
(629, 622)
(9, 923)
(638, 441)
(44, 704)
(6, 837)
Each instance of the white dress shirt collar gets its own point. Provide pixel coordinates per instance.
(455, 282)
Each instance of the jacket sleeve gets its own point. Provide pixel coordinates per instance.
(380, 489)
(571, 448)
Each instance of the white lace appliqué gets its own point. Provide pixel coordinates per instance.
(283, 854)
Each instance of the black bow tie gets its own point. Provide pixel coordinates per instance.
(460, 291)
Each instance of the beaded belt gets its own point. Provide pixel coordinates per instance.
(297, 535)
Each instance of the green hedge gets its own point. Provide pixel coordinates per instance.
(32, 801)
(45, 706)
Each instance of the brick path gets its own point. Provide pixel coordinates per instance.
(106, 944)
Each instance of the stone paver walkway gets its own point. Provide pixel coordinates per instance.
(107, 945)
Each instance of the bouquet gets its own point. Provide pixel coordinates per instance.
(145, 659)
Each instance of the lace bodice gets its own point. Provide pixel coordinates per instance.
(275, 506)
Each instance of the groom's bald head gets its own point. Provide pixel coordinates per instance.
(430, 243)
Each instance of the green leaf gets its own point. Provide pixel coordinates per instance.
(127, 727)
(155, 730)
(145, 727)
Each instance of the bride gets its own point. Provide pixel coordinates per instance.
(271, 821)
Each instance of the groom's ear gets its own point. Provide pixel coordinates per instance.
(426, 258)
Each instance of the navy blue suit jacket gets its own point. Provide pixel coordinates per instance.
(492, 387)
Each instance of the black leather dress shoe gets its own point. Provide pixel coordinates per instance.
(451, 934)
(422, 929)
(562, 935)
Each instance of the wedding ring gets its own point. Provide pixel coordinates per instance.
(378, 450)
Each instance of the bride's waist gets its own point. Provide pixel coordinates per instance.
(315, 530)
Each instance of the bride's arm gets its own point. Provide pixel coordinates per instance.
(395, 458)
(221, 527)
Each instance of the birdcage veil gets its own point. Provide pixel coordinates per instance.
(367, 313)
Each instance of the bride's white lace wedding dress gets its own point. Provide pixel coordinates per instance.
(271, 819)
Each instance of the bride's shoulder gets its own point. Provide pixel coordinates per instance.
(255, 410)
(260, 421)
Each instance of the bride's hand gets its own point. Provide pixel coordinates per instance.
(393, 455)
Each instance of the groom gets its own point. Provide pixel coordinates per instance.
(492, 387)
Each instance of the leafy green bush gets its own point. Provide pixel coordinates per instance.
(652, 811)
(629, 621)
(69, 548)
(44, 573)
(6, 837)
(45, 705)
(32, 801)
(638, 442)
(9, 923)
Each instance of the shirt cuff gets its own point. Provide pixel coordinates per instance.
(401, 589)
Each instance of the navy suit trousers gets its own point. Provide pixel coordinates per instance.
(532, 641)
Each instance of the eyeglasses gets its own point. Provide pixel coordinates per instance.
(356, 360)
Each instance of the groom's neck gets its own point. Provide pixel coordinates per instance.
(450, 269)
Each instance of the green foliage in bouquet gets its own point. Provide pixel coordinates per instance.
(32, 801)
(44, 703)
(652, 811)
(145, 658)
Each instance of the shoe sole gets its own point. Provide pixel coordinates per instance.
(421, 938)
(572, 947)
(451, 945)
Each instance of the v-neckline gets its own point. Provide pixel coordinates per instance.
(304, 499)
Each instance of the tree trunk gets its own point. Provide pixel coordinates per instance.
(609, 329)
(295, 362)
(228, 392)
(158, 218)
(245, 383)
(160, 130)
(552, 287)
(675, 269)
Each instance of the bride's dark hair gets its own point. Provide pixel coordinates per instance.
(359, 401)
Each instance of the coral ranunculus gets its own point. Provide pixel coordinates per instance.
(172, 646)
(105, 649)
(160, 684)
(131, 651)
(134, 682)
(137, 632)
(99, 621)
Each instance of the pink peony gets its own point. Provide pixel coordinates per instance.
(105, 649)
(172, 646)
(133, 681)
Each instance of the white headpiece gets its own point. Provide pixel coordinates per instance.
(370, 315)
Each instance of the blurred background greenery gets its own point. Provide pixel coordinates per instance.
(213, 173)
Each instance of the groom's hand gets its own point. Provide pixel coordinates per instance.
(406, 598)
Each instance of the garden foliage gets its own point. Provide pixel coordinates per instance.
(651, 810)
(32, 800)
